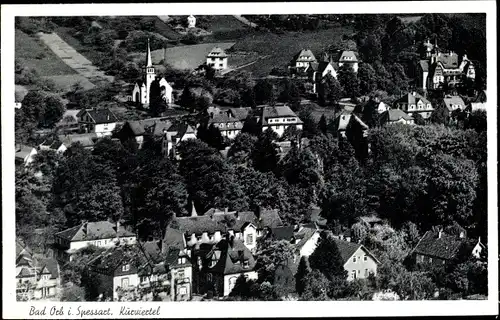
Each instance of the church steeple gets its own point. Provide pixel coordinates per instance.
(148, 58)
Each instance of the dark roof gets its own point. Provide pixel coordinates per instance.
(214, 220)
(392, 115)
(346, 248)
(51, 265)
(152, 250)
(277, 112)
(102, 116)
(94, 231)
(282, 233)
(232, 257)
(173, 239)
(303, 235)
(450, 101)
(85, 139)
(114, 257)
(217, 53)
(449, 61)
(22, 151)
(173, 255)
(444, 248)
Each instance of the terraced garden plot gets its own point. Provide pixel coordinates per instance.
(73, 58)
(34, 54)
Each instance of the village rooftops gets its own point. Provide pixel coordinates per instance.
(99, 116)
(94, 231)
(412, 98)
(449, 60)
(217, 53)
(108, 261)
(319, 66)
(214, 220)
(439, 244)
(303, 235)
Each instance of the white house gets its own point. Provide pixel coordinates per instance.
(102, 122)
(191, 20)
(174, 135)
(413, 103)
(141, 91)
(453, 103)
(478, 248)
(348, 57)
(303, 59)
(217, 59)
(317, 71)
(25, 154)
(279, 118)
(103, 234)
(53, 145)
(306, 241)
(358, 261)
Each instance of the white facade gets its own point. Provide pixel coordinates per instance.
(104, 129)
(230, 280)
(191, 21)
(218, 63)
(250, 237)
(130, 280)
(360, 265)
(279, 125)
(167, 95)
(310, 245)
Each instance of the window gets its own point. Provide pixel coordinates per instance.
(249, 238)
(245, 264)
(221, 65)
(353, 274)
(365, 258)
(180, 274)
(366, 272)
(209, 277)
(354, 259)
(430, 260)
(124, 282)
(126, 268)
(182, 290)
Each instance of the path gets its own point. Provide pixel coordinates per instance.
(242, 66)
(74, 59)
(245, 21)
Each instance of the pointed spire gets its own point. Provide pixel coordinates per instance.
(148, 58)
(193, 210)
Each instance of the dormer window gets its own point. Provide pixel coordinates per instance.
(246, 265)
(126, 268)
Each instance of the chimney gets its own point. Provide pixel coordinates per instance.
(440, 233)
(118, 229)
(414, 93)
(237, 215)
(164, 55)
(85, 223)
(226, 210)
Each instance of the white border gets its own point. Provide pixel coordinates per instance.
(14, 309)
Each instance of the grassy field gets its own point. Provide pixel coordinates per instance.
(36, 55)
(184, 57)
(282, 47)
(226, 23)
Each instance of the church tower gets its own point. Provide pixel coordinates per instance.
(150, 74)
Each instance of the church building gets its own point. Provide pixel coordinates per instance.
(142, 87)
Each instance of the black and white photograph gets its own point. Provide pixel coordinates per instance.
(199, 157)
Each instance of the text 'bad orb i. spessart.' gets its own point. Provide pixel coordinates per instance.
(82, 312)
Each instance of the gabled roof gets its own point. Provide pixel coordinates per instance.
(51, 266)
(303, 235)
(240, 113)
(445, 247)
(114, 257)
(85, 139)
(277, 112)
(304, 55)
(94, 231)
(233, 254)
(412, 98)
(173, 239)
(22, 151)
(393, 115)
(100, 116)
(424, 64)
(348, 56)
(217, 53)
(449, 61)
(450, 101)
(152, 250)
(347, 249)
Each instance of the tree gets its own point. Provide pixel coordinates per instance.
(156, 103)
(367, 78)
(290, 92)
(329, 90)
(187, 99)
(371, 48)
(441, 115)
(251, 126)
(300, 276)
(212, 136)
(316, 287)
(241, 148)
(349, 81)
(270, 254)
(242, 288)
(211, 181)
(264, 92)
(264, 155)
(326, 258)
(322, 124)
